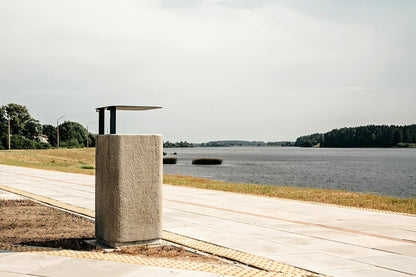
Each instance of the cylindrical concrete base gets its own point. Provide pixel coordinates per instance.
(128, 189)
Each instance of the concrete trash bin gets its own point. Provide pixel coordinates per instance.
(128, 184)
(128, 189)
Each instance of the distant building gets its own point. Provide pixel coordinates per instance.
(43, 138)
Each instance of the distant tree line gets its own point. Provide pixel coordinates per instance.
(363, 136)
(28, 133)
(280, 143)
(230, 143)
(181, 144)
(226, 143)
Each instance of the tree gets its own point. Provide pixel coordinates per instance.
(3, 135)
(72, 134)
(32, 129)
(50, 132)
(364, 136)
(25, 131)
(406, 134)
(18, 116)
(19, 142)
(91, 140)
(397, 137)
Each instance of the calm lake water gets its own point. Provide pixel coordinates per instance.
(380, 171)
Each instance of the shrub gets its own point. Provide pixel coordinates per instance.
(19, 142)
(87, 167)
(4, 141)
(70, 143)
(169, 160)
(42, 145)
(207, 161)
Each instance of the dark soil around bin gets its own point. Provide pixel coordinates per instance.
(25, 222)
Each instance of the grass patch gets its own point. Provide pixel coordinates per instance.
(75, 160)
(83, 160)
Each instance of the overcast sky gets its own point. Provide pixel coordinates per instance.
(221, 69)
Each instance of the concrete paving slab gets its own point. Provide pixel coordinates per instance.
(351, 251)
(319, 262)
(404, 249)
(11, 274)
(404, 264)
(365, 272)
(396, 232)
(24, 263)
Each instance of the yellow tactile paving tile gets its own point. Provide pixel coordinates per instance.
(230, 270)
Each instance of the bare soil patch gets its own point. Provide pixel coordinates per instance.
(25, 222)
(28, 223)
(169, 252)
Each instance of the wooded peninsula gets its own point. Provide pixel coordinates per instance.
(363, 136)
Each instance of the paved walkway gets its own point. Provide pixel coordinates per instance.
(329, 240)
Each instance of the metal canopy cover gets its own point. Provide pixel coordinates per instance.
(113, 110)
(128, 108)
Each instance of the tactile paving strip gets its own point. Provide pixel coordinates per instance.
(228, 270)
(262, 266)
(242, 257)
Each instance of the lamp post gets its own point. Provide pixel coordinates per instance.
(57, 131)
(9, 129)
(87, 131)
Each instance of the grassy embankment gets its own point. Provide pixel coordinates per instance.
(83, 161)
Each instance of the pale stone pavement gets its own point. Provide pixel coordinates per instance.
(324, 239)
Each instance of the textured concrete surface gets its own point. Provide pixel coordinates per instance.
(128, 191)
(330, 240)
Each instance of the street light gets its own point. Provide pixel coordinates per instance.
(87, 130)
(9, 128)
(57, 131)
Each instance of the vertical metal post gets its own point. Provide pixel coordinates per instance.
(9, 131)
(112, 120)
(88, 133)
(57, 133)
(101, 121)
